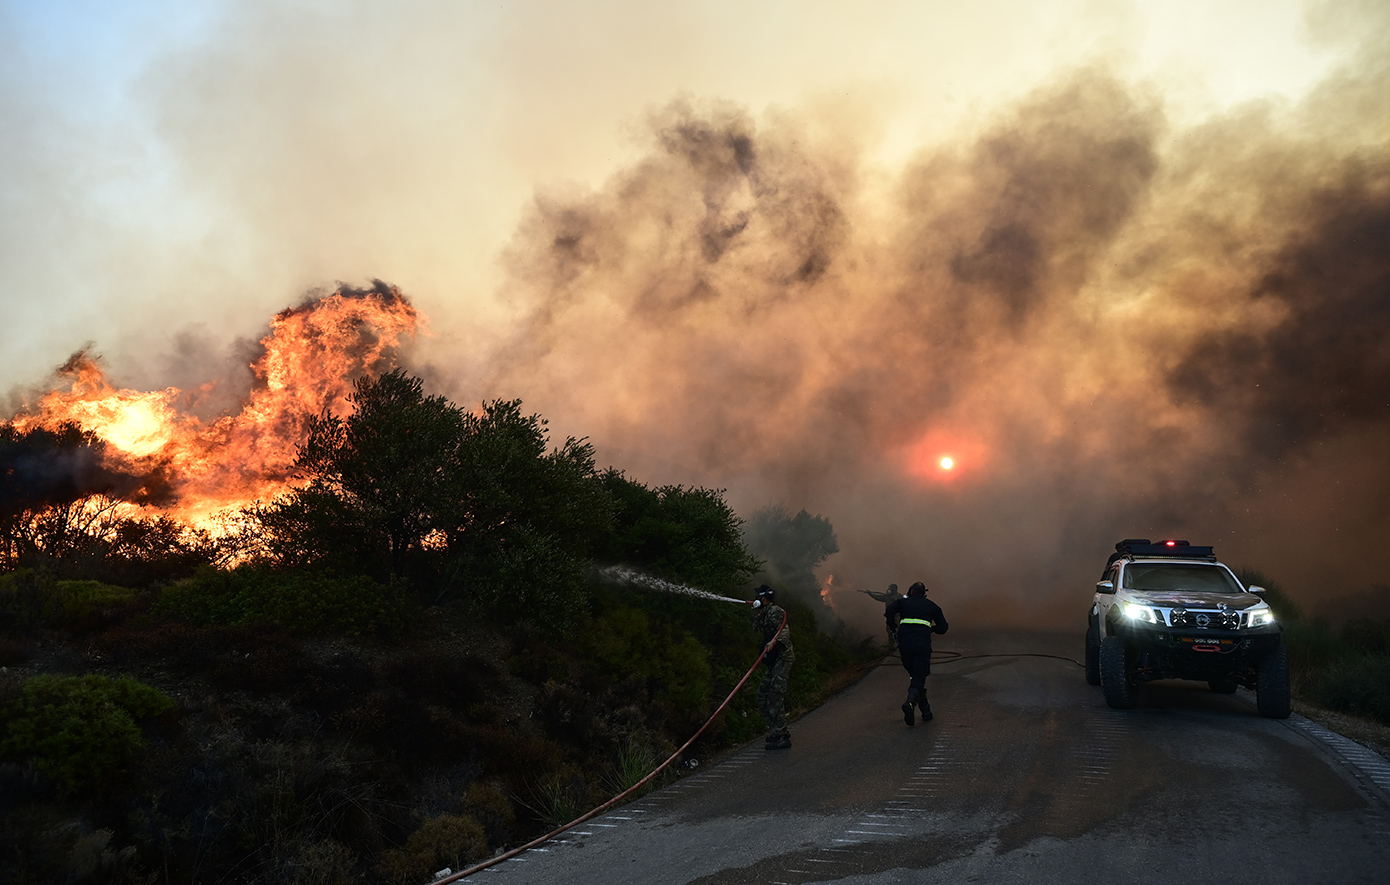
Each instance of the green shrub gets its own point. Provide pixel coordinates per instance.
(535, 576)
(36, 600)
(633, 761)
(326, 862)
(1360, 686)
(1312, 644)
(686, 535)
(1368, 635)
(625, 641)
(489, 803)
(1346, 669)
(30, 600)
(449, 840)
(81, 731)
(86, 599)
(558, 798)
(302, 602)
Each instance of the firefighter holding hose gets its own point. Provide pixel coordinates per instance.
(770, 619)
(887, 599)
(911, 622)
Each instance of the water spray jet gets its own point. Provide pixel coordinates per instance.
(627, 576)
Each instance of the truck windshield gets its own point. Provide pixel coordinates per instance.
(1179, 576)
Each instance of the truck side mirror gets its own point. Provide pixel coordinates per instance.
(1105, 587)
(1258, 591)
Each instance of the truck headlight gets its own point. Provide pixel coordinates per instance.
(1260, 617)
(1143, 613)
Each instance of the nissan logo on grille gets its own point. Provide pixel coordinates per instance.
(1203, 620)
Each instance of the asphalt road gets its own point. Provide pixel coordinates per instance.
(1023, 776)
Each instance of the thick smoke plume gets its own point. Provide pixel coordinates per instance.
(1115, 326)
(1121, 313)
(791, 548)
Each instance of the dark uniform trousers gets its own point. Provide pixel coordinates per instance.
(914, 640)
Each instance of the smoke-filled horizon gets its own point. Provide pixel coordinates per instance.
(1114, 327)
(1121, 312)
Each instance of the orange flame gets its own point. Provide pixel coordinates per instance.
(827, 596)
(309, 362)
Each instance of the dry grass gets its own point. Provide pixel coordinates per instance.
(1366, 732)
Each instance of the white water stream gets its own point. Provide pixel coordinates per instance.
(627, 576)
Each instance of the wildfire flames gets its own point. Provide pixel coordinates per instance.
(194, 469)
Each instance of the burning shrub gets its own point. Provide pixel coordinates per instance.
(301, 601)
(63, 506)
(81, 731)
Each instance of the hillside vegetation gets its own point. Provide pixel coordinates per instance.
(407, 663)
(1344, 667)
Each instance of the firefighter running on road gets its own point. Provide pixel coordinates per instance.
(911, 622)
(769, 618)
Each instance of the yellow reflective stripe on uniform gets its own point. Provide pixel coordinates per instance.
(916, 621)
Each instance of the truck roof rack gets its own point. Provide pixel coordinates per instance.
(1145, 547)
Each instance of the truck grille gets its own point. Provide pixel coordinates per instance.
(1205, 620)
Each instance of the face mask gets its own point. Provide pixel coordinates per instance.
(757, 603)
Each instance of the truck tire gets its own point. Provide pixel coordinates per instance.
(1114, 677)
(1272, 696)
(1092, 655)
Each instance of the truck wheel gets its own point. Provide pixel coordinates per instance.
(1114, 678)
(1223, 685)
(1092, 655)
(1272, 696)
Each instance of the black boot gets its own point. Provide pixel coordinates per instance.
(907, 708)
(926, 711)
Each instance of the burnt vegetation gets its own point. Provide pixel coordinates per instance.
(404, 664)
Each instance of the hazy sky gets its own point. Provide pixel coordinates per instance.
(795, 250)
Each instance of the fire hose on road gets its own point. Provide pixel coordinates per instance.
(938, 657)
(541, 840)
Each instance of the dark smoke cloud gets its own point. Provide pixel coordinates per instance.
(1116, 325)
(1325, 365)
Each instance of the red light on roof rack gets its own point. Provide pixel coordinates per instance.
(1167, 547)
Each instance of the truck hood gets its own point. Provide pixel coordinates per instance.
(1193, 599)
